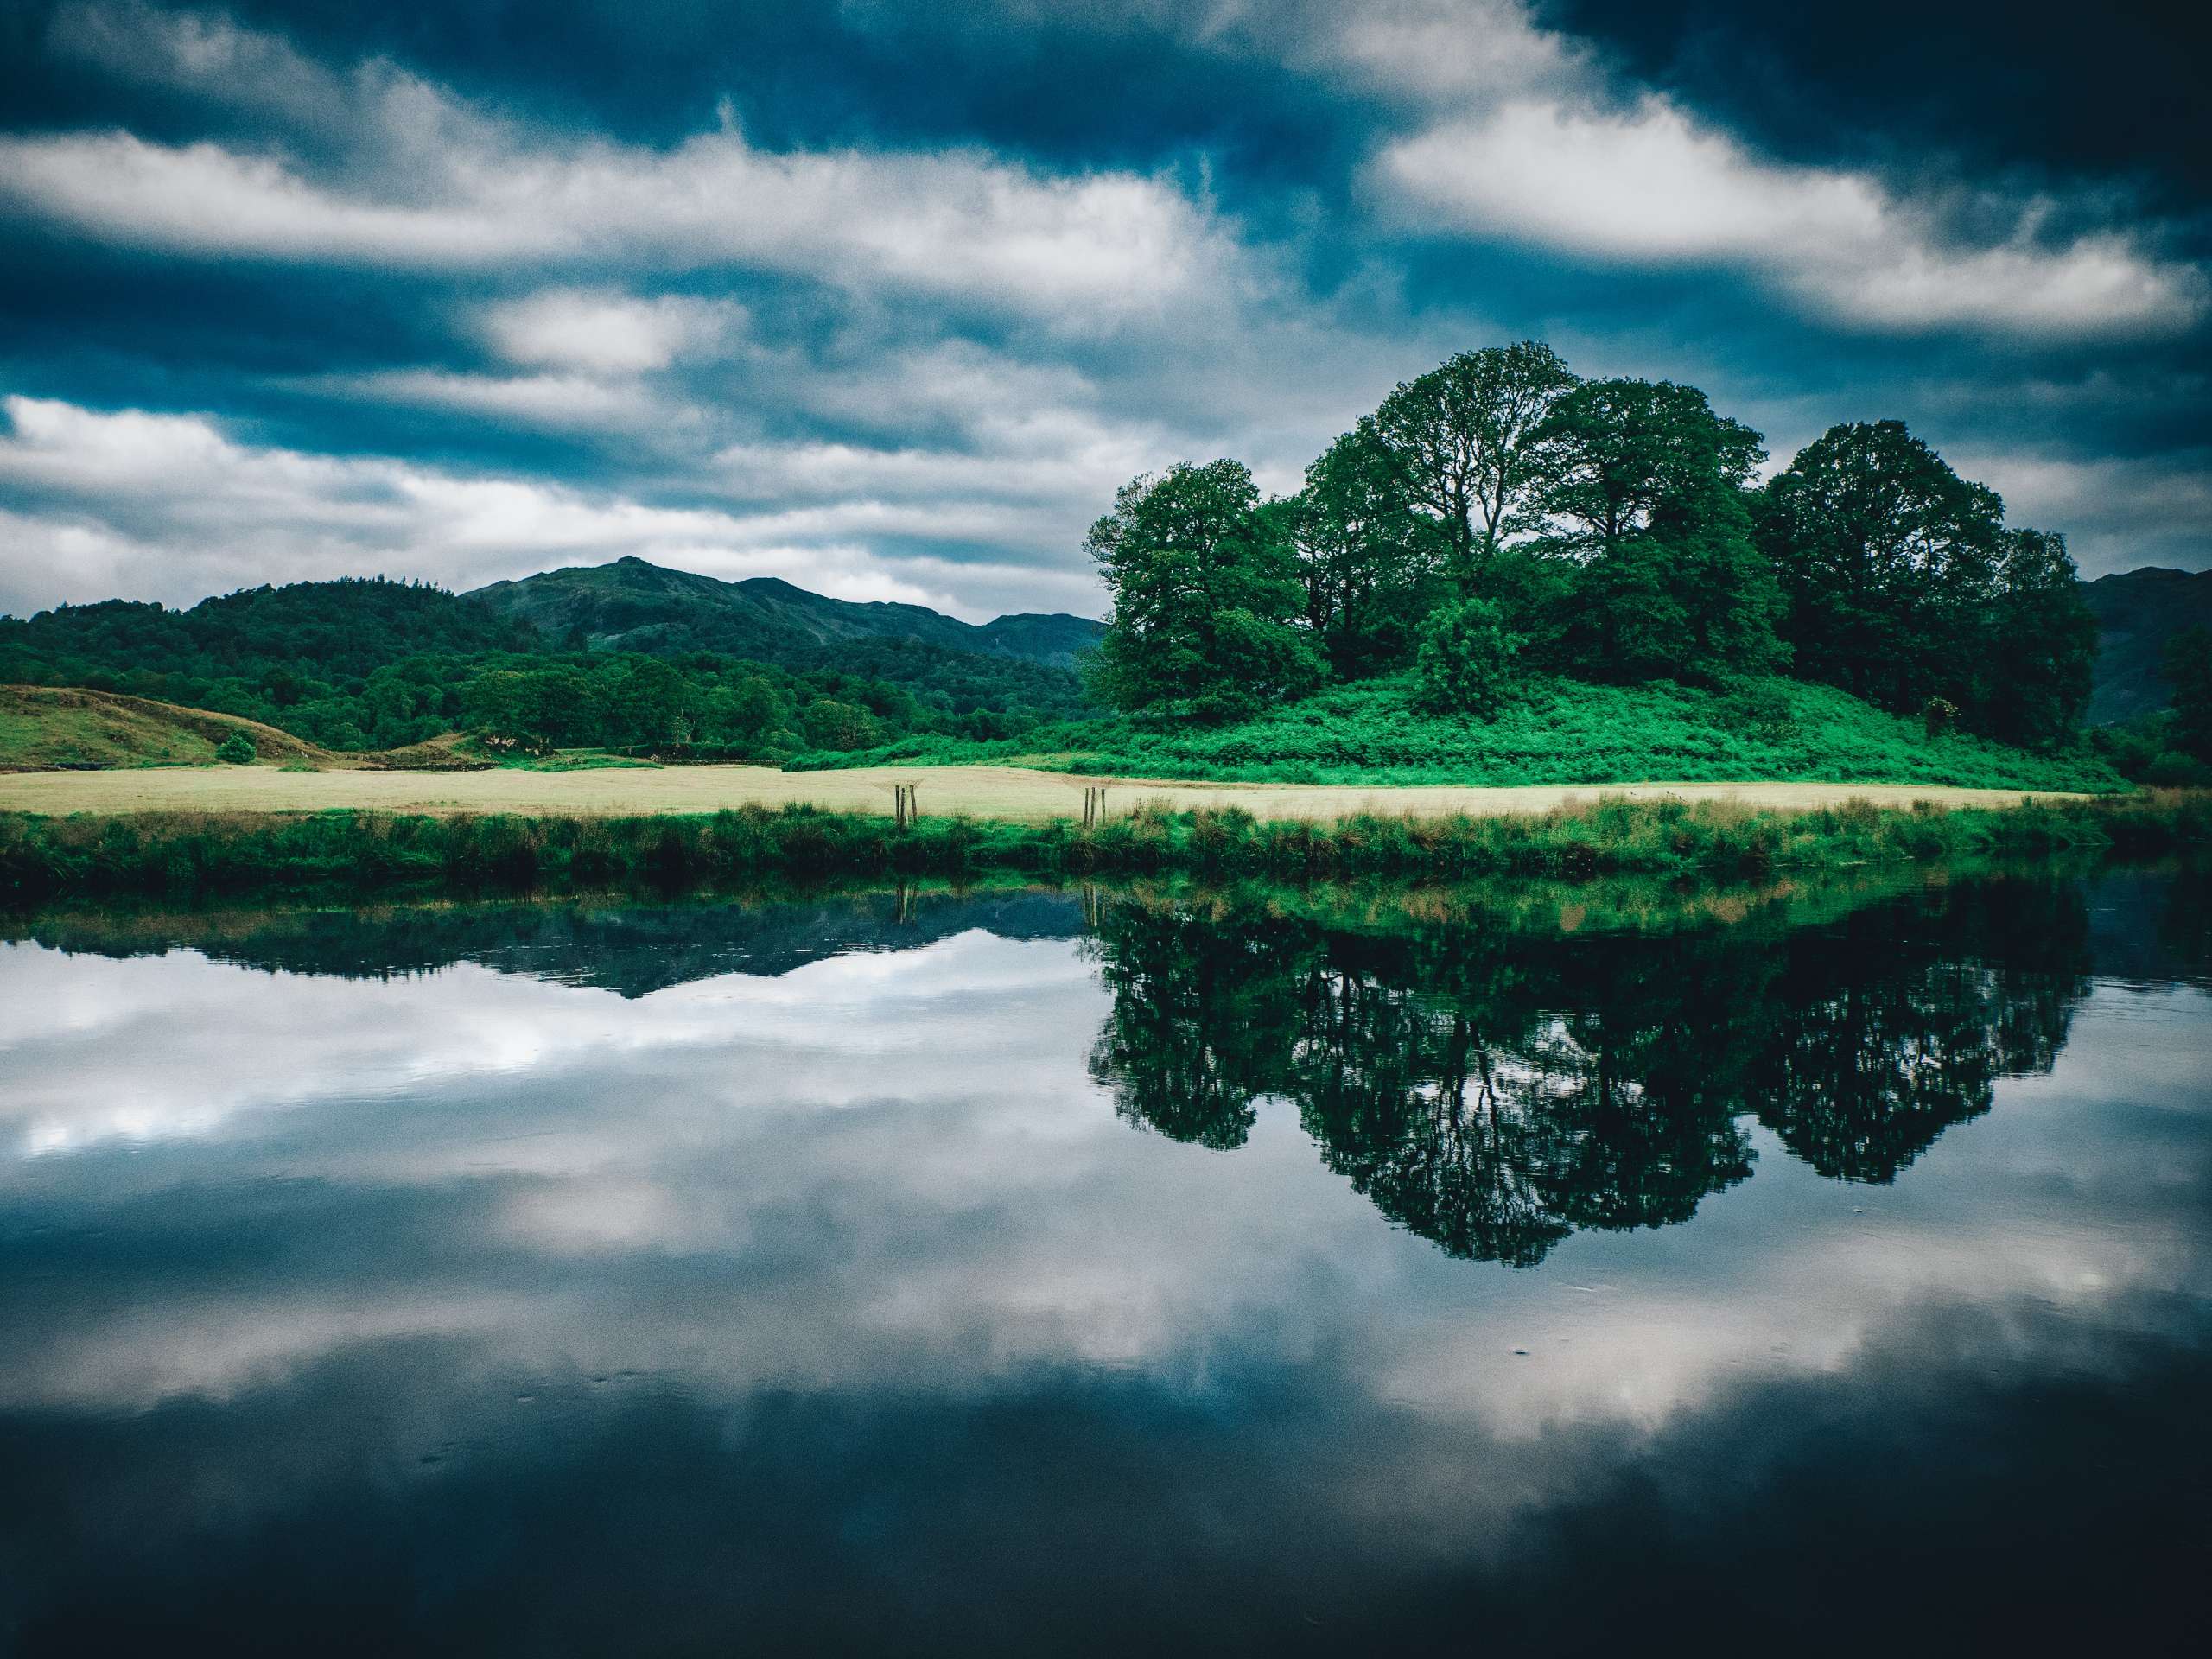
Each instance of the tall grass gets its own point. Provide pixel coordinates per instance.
(1554, 732)
(44, 857)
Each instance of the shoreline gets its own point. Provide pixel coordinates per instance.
(155, 853)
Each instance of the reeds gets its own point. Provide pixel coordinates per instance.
(167, 854)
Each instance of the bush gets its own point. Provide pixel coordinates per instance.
(1467, 660)
(236, 750)
(2171, 769)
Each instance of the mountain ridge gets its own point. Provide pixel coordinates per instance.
(2137, 612)
(632, 604)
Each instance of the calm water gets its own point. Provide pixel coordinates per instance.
(1034, 1272)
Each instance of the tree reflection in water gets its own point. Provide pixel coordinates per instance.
(1495, 1091)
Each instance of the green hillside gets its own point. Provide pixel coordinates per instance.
(1559, 732)
(44, 726)
(2136, 614)
(631, 605)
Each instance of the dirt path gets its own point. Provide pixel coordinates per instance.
(982, 791)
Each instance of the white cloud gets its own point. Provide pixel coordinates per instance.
(547, 402)
(1651, 185)
(2118, 512)
(1082, 252)
(608, 333)
(166, 506)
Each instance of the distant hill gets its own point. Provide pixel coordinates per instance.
(2135, 614)
(631, 605)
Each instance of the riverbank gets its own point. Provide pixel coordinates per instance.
(42, 857)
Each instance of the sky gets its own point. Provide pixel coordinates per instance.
(887, 299)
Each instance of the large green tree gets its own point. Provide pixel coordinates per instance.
(1458, 438)
(1370, 566)
(1643, 486)
(2038, 647)
(1887, 557)
(1205, 599)
(2187, 664)
(1904, 585)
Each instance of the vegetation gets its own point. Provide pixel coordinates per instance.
(1429, 1058)
(1504, 575)
(171, 854)
(1205, 603)
(1551, 731)
(1497, 524)
(379, 665)
(42, 728)
(2171, 747)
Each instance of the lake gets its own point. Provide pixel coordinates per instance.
(1021, 1270)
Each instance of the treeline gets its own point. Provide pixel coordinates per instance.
(363, 664)
(2171, 746)
(1499, 517)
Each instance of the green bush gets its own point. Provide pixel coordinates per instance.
(1467, 659)
(236, 750)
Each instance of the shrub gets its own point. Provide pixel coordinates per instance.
(236, 750)
(1467, 659)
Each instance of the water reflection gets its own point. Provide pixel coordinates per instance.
(1033, 1271)
(1495, 1092)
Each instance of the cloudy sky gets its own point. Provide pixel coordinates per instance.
(887, 298)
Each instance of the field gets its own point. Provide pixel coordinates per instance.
(1011, 793)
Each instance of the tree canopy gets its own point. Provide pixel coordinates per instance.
(1206, 599)
(1496, 517)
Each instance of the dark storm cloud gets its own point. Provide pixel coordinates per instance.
(2113, 93)
(887, 298)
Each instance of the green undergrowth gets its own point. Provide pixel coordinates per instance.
(1555, 732)
(150, 853)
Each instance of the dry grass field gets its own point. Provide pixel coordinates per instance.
(1005, 792)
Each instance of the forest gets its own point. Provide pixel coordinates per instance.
(371, 664)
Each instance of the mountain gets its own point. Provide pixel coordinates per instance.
(2135, 615)
(631, 605)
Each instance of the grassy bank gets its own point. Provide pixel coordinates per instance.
(1555, 731)
(46, 857)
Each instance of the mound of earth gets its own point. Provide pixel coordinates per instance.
(68, 729)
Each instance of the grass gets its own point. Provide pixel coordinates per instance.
(1012, 793)
(1558, 732)
(46, 726)
(44, 857)
(62, 728)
